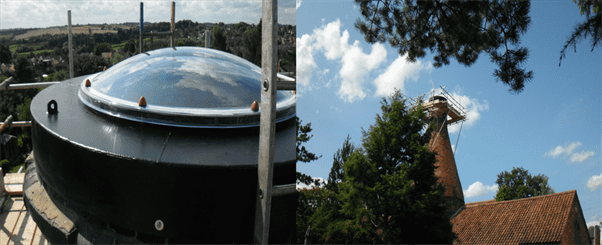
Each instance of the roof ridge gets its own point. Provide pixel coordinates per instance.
(493, 202)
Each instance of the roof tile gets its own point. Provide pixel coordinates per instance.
(528, 220)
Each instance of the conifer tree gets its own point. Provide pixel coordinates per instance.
(389, 192)
(453, 29)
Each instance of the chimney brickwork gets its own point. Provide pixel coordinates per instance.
(446, 164)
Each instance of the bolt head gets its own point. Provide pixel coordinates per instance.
(159, 225)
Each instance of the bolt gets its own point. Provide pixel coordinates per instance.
(266, 85)
(159, 225)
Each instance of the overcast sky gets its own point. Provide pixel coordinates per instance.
(39, 14)
(553, 127)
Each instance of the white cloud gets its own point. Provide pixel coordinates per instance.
(594, 182)
(24, 14)
(592, 223)
(305, 59)
(396, 75)
(303, 185)
(473, 109)
(477, 189)
(566, 151)
(581, 156)
(299, 3)
(355, 64)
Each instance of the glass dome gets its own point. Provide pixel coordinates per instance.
(186, 86)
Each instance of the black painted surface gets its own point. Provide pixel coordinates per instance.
(200, 182)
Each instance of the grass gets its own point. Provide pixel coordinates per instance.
(15, 169)
(42, 51)
(25, 54)
(13, 48)
(118, 46)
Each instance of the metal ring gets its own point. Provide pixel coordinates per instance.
(265, 85)
(159, 225)
(52, 107)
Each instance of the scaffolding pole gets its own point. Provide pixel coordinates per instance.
(141, 26)
(267, 131)
(70, 45)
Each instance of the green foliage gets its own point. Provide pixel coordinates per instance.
(5, 55)
(57, 76)
(388, 192)
(102, 48)
(218, 39)
(23, 110)
(3, 163)
(336, 172)
(453, 29)
(252, 44)
(592, 26)
(15, 169)
(88, 64)
(118, 58)
(303, 155)
(520, 184)
(24, 72)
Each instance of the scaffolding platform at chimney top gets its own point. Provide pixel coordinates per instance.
(440, 98)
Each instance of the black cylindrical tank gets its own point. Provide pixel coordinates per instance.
(187, 158)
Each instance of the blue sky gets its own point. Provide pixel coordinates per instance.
(38, 14)
(553, 127)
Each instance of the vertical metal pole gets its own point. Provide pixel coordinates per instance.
(207, 39)
(173, 27)
(141, 25)
(70, 45)
(267, 131)
(151, 44)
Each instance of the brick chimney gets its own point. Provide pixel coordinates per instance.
(597, 235)
(440, 144)
(594, 234)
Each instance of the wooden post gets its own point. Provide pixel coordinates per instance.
(141, 25)
(267, 131)
(173, 27)
(70, 45)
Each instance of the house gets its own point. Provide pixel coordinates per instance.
(107, 55)
(550, 219)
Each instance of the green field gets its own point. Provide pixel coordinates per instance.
(25, 54)
(118, 46)
(13, 48)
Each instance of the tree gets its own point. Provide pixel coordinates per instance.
(88, 64)
(336, 172)
(24, 71)
(325, 198)
(5, 55)
(102, 48)
(591, 26)
(453, 29)
(520, 184)
(219, 39)
(389, 192)
(252, 44)
(303, 155)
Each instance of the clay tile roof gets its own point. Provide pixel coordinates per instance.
(539, 219)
